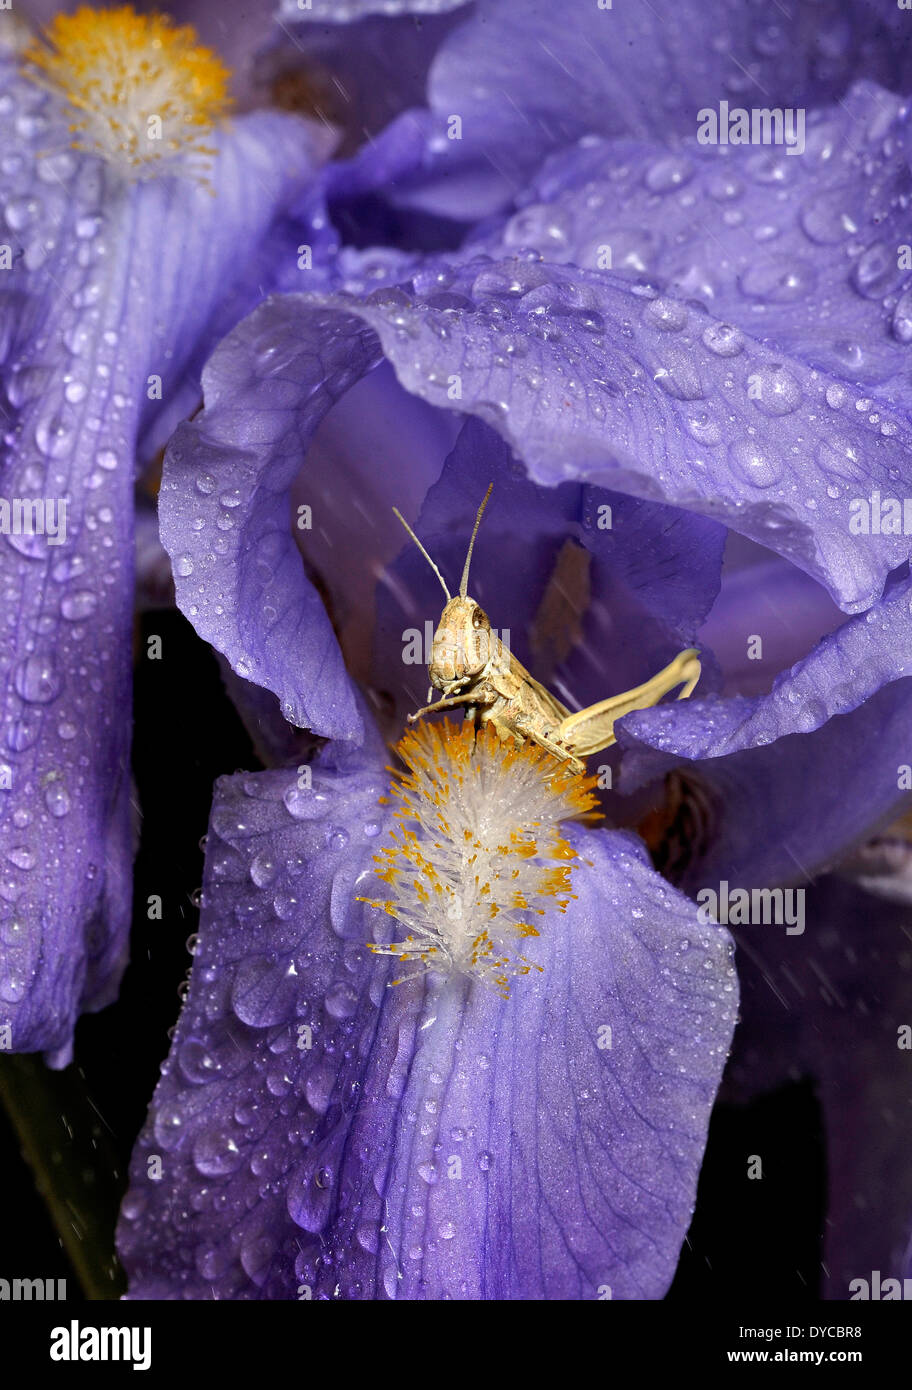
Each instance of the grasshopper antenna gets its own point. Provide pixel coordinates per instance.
(464, 582)
(424, 552)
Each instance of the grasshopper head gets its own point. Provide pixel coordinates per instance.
(462, 644)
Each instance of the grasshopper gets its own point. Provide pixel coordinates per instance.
(472, 667)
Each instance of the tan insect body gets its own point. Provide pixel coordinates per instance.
(472, 667)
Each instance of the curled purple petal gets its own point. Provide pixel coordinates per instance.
(225, 509)
(590, 379)
(846, 668)
(769, 815)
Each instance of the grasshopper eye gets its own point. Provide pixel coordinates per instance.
(480, 618)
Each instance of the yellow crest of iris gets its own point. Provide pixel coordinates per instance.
(142, 92)
(477, 861)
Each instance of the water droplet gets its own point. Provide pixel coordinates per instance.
(776, 282)
(723, 339)
(704, 428)
(876, 271)
(668, 173)
(341, 1000)
(667, 315)
(216, 1153)
(753, 464)
(264, 992)
(263, 869)
(32, 545)
(680, 379)
(302, 804)
(57, 800)
(773, 390)
(901, 325)
(840, 456)
(12, 986)
(257, 1256)
(825, 220)
(37, 679)
(542, 226)
(69, 568)
(20, 212)
(53, 437)
(79, 605)
(197, 1062)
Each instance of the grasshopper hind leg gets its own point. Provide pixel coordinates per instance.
(590, 730)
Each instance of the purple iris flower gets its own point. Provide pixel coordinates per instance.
(408, 1123)
(507, 82)
(128, 250)
(658, 343)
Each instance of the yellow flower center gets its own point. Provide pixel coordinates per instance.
(143, 94)
(477, 859)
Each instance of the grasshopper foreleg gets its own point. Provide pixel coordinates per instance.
(469, 697)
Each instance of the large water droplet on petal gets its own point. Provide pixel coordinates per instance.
(37, 679)
(264, 992)
(773, 390)
(755, 466)
(876, 271)
(216, 1153)
(724, 339)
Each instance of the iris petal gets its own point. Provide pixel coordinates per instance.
(111, 297)
(319, 1134)
(757, 234)
(846, 668)
(523, 78)
(769, 760)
